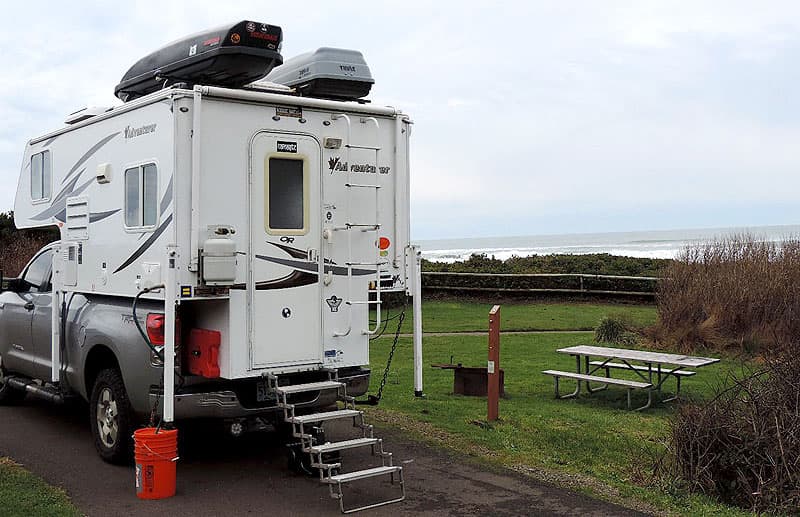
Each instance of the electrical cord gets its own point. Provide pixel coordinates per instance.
(388, 319)
(158, 353)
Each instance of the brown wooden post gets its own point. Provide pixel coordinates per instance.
(493, 369)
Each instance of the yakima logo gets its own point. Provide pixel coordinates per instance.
(133, 132)
(287, 147)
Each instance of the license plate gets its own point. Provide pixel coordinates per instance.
(262, 391)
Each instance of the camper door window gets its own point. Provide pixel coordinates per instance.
(287, 196)
(141, 196)
(41, 176)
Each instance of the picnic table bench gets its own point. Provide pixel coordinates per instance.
(651, 371)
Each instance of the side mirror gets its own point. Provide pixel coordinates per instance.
(14, 285)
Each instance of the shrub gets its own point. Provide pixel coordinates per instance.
(743, 446)
(18, 246)
(735, 292)
(615, 329)
(610, 330)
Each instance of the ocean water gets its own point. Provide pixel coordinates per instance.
(652, 244)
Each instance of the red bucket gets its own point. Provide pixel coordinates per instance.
(156, 452)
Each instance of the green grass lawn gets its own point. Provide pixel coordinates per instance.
(454, 316)
(24, 495)
(591, 443)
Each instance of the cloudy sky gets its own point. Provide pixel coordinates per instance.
(532, 117)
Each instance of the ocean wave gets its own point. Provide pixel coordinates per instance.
(456, 255)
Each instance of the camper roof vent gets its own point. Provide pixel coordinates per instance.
(83, 114)
(332, 73)
(230, 56)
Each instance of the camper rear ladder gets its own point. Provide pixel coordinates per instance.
(349, 225)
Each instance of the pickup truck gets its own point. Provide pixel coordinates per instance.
(106, 362)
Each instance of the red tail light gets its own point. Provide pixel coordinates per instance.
(155, 329)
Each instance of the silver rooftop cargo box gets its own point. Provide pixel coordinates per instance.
(332, 73)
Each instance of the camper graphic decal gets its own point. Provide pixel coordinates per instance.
(96, 147)
(58, 208)
(149, 242)
(305, 272)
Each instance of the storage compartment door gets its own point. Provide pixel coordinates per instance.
(284, 281)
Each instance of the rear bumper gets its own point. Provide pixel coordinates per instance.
(224, 404)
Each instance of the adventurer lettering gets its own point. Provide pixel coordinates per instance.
(133, 132)
(335, 164)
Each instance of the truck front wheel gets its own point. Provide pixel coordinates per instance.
(111, 417)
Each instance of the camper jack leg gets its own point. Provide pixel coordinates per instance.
(170, 295)
(415, 259)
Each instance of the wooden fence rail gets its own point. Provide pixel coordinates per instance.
(465, 284)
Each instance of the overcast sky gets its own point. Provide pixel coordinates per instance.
(531, 117)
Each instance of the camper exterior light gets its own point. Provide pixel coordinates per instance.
(332, 143)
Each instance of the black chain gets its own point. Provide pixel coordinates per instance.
(373, 400)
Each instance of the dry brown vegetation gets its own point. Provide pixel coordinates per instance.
(743, 295)
(743, 446)
(736, 292)
(18, 251)
(18, 246)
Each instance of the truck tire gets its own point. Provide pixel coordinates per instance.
(8, 395)
(111, 417)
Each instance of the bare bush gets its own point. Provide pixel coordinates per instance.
(743, 446)
(16, 252)
(736, 292)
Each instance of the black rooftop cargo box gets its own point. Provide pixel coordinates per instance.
(229, 56)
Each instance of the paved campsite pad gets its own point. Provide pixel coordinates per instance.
(218, 475)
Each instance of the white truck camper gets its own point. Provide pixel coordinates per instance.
(270, 216)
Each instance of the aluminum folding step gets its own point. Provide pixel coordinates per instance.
(321, 417)
(363, 474)
(335, 485)
(312, 386)
(340, 446)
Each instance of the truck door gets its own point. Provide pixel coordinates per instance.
(18, 350)
(284, 317)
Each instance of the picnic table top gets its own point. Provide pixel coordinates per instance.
(639, 355)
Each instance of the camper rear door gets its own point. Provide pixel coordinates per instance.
(284, 278)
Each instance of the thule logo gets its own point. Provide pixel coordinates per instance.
(133, 132)
(287, 147)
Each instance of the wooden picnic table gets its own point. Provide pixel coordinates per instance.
(644, 363)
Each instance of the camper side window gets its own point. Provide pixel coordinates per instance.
(141, 196)
(41, 174)
(287, 187)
